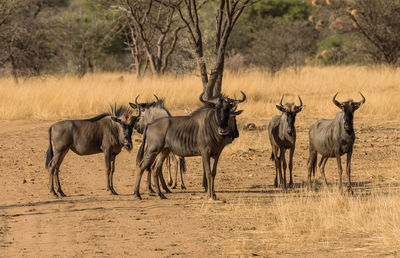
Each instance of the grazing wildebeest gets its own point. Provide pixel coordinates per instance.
(204, 133)
(106, 133)
(152, 111)
(282, 135)
(333, 138)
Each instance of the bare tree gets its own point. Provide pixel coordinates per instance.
(152, 33)
(375, 22)
(227, 14)
(279, 44)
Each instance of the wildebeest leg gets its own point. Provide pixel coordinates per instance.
(181, 173)
(148, 159)
(321, 166)
(214, 173)
(348, 170)
(52, 170)
(161, 177)
(168, 165)
(175, 161)
(156, 171)
(112, 174)
(283, 159)
(340, 170)
(207, 171)
(312, 159)
(205, 185)
(57, 177)
(107, 158)
(149, 188)
(54, 164)
(291, 166)
(276, 170)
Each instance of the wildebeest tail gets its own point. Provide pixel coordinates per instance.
(182, 164)
(140, 153)
(49, 153)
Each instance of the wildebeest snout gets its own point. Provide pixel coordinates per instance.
(128, 145)
(223, 131)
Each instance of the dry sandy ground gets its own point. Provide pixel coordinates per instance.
(90, 222)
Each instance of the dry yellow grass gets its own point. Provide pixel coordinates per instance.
(68, 97)
(323, 223)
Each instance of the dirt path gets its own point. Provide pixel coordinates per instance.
(89, 222)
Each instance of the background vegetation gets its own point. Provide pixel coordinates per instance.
(79, 36)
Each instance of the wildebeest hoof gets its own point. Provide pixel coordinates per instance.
(167, 191)
(162, 197)
(350, 191)
(174, 187)
(183, 187)
(151, 190)
(113, 192)
(62, 194)
(54, 194)
(137, 196)
(213, 198)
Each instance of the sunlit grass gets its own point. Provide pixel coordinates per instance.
(69, 97)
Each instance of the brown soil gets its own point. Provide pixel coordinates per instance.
(90, 222)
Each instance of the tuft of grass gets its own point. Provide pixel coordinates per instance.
(69, 97)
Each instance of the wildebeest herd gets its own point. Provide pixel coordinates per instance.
(205, 132)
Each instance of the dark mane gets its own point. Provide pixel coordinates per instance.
(200, 109)
(120, 110)
(96, 118)
(116, 111)
(160, 104)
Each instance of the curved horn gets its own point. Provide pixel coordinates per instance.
(201, 98)
(363, 99)
(155, 97)
(280, 102)
(301, 102)
(136, 100)
(243, 97)
(337, 103)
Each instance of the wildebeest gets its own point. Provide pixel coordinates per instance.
(333, 138)
(282, 135)
(151, 111)
(106, 133)
(204, 133)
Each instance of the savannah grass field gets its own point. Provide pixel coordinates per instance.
(251, 218)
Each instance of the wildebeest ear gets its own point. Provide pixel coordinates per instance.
(134, 106)
(300, 108)
(280, 108)
(236, 113)
(116, 119)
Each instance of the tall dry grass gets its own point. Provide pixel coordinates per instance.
(325, 223)
(69, 97)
